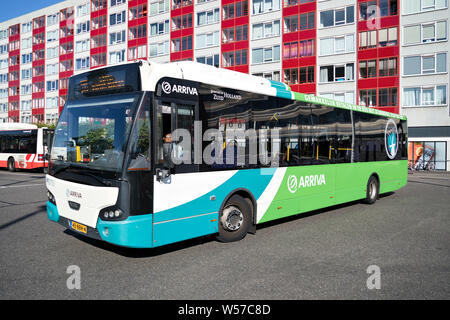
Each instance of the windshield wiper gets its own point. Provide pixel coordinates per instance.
(62, 168)
(102, 181)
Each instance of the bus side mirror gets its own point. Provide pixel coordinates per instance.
(163, 175)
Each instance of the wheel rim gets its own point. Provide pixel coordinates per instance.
(232, 218)
(372, 190)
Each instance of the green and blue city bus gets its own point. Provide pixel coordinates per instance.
(150, 154)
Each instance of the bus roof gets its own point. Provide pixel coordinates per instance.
(17, 126)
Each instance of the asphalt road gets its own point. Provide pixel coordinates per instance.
(322, 255)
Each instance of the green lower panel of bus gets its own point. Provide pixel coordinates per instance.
(313, 187)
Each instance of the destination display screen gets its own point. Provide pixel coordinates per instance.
(118, 79)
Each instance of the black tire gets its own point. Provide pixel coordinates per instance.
(236, 214)
(11, 164)
(372, 191)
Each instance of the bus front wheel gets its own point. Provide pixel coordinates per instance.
(11, 164)
(372, 191)
(235, 220)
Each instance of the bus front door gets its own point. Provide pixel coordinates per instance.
(180, 212)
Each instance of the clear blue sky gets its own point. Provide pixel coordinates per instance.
(13, 8)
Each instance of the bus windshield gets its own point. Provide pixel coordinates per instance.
(92, 133)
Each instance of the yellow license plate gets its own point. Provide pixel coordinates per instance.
(79, 227)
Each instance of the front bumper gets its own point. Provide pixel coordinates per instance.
(134, 232)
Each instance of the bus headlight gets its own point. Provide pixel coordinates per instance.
(51, 197)
(112, 213)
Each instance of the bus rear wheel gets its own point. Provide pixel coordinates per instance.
(235, 220)
(373, 188)
(11, 164)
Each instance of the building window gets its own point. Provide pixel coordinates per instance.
(387, 97)
(427, 64)
(206, 40)
(305, 21)
(235, 58)
(337, 73)
(52, 19)
(52, 36)
(425, 33)
(52, 52)
(275, 75)
(416, 6)
(265, 55)
(98, 60)
(368, 98)
(82, 45)
(82, 10)
(117, 57)
(208, 17)
(337, 45)
(266, 29)
(303, 48)
(387, 67)
(83, 27)
(425, 96)
(98, 5)
(158, 49)
(182, 22)
(377, 8)
(427, 155)
(137, 32)
(139, 52)
(117, 18)
(212, 60)
(261, 6)
(337, 17)
(235, 10)
(299, 76)
(52, 85)
(238, 33)
(82, 63)
(137, 12)
(66, 65)
(159, 7)
(114, 3)
(387, 37)
(182, 44)
(52, 69)
(161, 27)
(348, 97)
(117, 37)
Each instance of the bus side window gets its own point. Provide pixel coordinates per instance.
(324, 127)
(2, 143)
(140, 152)
(183, 138)
(163, 129)
(306, 135)
(369, 140)
(343, 144)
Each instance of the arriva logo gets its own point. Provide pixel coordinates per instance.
(391, 139)
(293, 183)
(70, 193)
(168, 89)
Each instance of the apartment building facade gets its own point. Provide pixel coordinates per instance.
(386, 54)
